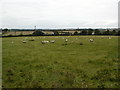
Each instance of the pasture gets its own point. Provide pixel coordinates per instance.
(78, 63)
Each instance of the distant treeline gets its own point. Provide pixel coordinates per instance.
(82, 32)
(114, 32)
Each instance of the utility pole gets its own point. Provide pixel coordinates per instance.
(35, 28)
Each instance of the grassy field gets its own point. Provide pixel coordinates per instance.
(0, 63)
(36, 65)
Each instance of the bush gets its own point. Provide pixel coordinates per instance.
(76, 33)
(21, 34)
(38, 33)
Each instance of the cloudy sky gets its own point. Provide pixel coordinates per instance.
(58, 13)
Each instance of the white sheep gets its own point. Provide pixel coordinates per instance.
(66, 40)
(24, 41)
(91, 40)
(93, 33)
(109, 37)
(52, 41)
(44, 42)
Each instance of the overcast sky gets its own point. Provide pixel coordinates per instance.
(59, 13)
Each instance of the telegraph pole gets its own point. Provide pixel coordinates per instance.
(35, 28)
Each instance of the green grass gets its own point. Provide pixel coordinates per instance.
(36, 65)
(0, 63)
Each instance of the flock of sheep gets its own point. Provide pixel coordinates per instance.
(52, 41)
(43, 42)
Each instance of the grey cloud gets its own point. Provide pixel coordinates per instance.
(59, 13)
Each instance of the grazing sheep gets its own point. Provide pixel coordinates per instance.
(93, 33)
(44, 42)
(66, 40)
(52, 41)
(91, 40)
(24, 41)
(109, 37)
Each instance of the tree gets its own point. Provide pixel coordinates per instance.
(5, 30)
(114, 32)
(38, 33)
(106, 32)
(90, 31)
(83, 32)
(76, 33)
(67, 33)
(97, 32)
(118, 33)
(56, 33)
(21, 34)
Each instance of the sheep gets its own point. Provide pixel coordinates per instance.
(109, 37)
(44, 42)
(52, 41)
(66, 40)
(93, 33)
(91, 40)
(24, 41)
